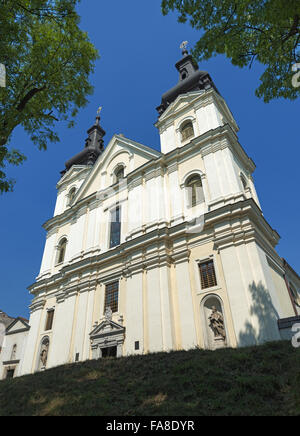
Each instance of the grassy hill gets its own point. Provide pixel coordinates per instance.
(262, 380)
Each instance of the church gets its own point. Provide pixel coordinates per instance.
(153, 251)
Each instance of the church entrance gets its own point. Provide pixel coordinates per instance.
(10, 373)
(109, 352)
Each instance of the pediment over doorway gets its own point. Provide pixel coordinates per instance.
(107, 335)
(105, 328)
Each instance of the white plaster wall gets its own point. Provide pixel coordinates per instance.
(134, 316)
(88, 324)
(281, 297)
(185, 304)
(60, 202)
(62, 332)
(151, 201)
(212, 175)
(154, 312)
(168, 335)
(253, 312)
(28, 364)
(168, 139)
(175, 196)
(48, 253)
(75, 237)
(135, 207)
(208, 118)
(91, 228)
(80, 324)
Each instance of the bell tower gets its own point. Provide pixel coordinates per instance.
(196, 101)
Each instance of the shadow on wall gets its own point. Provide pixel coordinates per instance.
(265, 316)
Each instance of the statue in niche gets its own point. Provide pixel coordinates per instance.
(44, 353)
(217, 323)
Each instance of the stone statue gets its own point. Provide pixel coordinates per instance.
(108, 314)
(44, 353)
(217, 323)
(183, 47)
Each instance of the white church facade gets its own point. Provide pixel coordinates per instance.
(153, 251)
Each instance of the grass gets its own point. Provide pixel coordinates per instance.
(262, 380)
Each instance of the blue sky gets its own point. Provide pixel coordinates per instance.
(139, 48)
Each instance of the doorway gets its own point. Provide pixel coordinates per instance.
(109, 352)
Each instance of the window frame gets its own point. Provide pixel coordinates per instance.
(197, 263)
(183, 127)
(61, 245)
(114, 291)
(193, 201)
(71, 195)
(49, 320)
(115, 226)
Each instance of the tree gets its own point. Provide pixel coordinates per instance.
(48, 60)
(267, 31)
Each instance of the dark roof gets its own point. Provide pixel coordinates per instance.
(94, 146)
(5, 319)
(190, 79)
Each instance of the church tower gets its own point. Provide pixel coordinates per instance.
(154, 251)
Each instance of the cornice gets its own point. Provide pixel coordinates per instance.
(36, 305)
(231, 224)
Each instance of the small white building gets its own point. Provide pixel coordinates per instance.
(13, 345)
(153, 251)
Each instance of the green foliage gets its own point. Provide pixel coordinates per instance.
(260, 380)
(48, 60)
(267, 31)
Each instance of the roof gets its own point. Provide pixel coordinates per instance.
(5, 319)
(190, 79)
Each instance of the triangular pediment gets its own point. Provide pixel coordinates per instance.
(120, 150)
(17, 326)
(181, 102)
(74, 173)
(107, 328)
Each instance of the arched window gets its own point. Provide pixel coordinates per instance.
(14, 352)
(71, 196)
(194, 190)
(119, 174)
(61, 250)
(187, 131)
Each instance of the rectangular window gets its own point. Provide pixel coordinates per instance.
(115, 227)
(112, 297)
(49, 321)
(137, 345)
(207, 274)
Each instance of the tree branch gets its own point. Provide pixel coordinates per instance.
(28, 97)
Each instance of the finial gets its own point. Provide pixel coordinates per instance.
(183, 47)
(98, 115)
